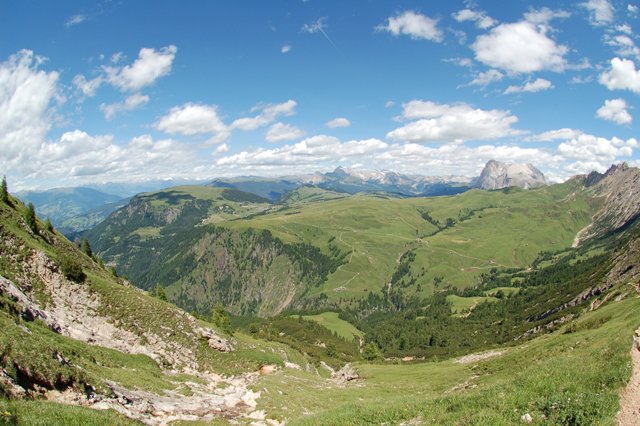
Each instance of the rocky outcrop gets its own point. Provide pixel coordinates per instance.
(620, 188)
(497, 175)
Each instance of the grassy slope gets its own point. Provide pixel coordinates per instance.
(331, 321)
(508, 229)
(571, 378)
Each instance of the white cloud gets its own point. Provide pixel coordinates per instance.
(221, 149)
(87, 87)
(268, 114)
(283, 132)
(601, 12)
(389, 104)
(615, 110)
(622, 76)
(285, 48)
(452, 123)
(632, 10)
(338, 122)
(78, 157)
(537, 85)
(554, 135)
(415, 25)
(149, 67)
(545, 15)
(485, 78)
(479, 17)
(117, 57)
(132, 102)
(595, 153)
(461, 62)
(193, 119)
(26, 94)
(75, 20)
(520, 47)
(623, 44)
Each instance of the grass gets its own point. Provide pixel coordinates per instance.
(570, 378)
(502, 230)
(465, 304)
(331, 321)
(45, 413)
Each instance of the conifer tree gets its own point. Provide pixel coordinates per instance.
(30, 218)
(4, 192)
(48, 225)
(86, 248)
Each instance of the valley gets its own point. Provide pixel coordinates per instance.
(471, 308)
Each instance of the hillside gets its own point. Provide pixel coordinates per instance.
(566, 365)
(326, 249)
(75, 333)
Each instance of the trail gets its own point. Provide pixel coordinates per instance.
(629, 414)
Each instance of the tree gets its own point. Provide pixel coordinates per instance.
(30, 218)
(160, 293)
(4, 193)
(48, 225)
(221, 319)
(371, 352)
(86, 248)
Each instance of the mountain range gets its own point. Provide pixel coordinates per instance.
(505, 306)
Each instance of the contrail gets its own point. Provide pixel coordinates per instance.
(318, 26)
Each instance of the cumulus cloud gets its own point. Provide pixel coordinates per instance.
(415, 25)
(479, 17)
(285, 49)
(520, 47)
(452, 123)
(623, 45)
(632, 10)
(221, 149)
(283, 132)
(268, 113)
(554, 135)
(78, 157)
(615, 110)
(622, 75)
(483, 79)
(87, 87)
(132, 102)
(193, 119)
(595, 153)
(26, 95)
(601, 12)
(150, 65)
(340, 122)
(537, 85)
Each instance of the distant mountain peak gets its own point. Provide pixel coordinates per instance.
(498, 175)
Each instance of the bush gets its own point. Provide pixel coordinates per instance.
(72, 269)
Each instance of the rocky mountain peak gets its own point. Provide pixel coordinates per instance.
(497, 175)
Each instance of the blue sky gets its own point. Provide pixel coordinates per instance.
(116, 91)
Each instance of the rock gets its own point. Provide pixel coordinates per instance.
(345, 374)
(267, 369)
(526, 418)
(216, 342)
(497, 175)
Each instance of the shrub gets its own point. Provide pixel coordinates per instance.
(72, 269)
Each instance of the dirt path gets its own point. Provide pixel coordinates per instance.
(629, 414)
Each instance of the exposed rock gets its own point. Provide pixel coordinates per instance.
(267, 369)
(526, 418)
(497, 175)
(620, 188)
(346, 374)
(467, 359)
(216, 342)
